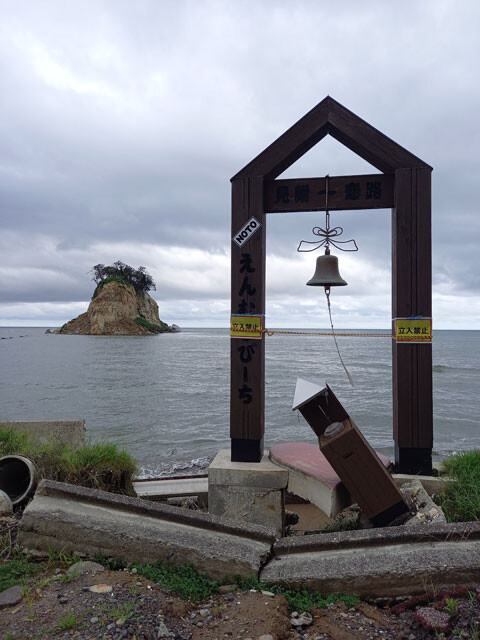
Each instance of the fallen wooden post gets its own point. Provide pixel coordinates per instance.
(350, 455)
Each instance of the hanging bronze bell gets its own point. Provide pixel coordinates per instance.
(326, 273)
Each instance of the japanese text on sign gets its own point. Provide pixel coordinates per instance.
(413, 329)
(245, 327)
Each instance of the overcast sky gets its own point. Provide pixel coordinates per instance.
(122, 123)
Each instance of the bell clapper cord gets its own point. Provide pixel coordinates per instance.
(327, 294)
(327, 289)
(327, 234)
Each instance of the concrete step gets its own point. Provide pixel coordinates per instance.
(164, 488)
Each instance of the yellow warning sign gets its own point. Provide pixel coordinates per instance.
(413, 329)
(246, 327)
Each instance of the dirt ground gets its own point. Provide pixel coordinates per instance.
(136, 608)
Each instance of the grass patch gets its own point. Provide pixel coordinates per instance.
(13, 441)
(18, 570)
(68, 621)
(114, 564)
(185, 582)
(304, 600)
(153, 328)
(298, 599)
(98, 466)
(17, 567)
(461, 501)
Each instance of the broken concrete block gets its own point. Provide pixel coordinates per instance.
(69, 432)
(427, 510)
(387, 562)
(66, 518)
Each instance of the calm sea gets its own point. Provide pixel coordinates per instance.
(165, 398)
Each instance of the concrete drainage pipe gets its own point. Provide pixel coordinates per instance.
(18, 477)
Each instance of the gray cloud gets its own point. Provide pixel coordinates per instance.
(122, 123)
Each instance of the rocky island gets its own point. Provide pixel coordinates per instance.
(120, 305)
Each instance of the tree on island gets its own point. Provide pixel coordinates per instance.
(139, 278)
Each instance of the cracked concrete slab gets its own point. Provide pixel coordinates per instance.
(373, 563)
(388, 562)
(67, 518)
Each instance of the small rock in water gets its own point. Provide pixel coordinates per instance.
(10, 597)
(100, 588)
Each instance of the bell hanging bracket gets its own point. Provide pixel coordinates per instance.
(326, 272)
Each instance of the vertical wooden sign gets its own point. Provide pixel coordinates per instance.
(412, 296)
(247, 397)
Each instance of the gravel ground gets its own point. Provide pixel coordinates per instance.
(60, 606)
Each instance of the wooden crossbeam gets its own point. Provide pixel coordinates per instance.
(374, 191)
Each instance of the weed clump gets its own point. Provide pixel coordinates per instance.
(18, 569)
(185, 581)
(98, 466)
(298, 599)
(461, 500)
(12, 442)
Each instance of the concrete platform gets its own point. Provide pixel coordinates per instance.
(248, 491)
(311, 477)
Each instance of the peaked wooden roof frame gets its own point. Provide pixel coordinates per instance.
(411, 277)
(329, 117)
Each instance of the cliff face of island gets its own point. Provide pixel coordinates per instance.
(117, 309)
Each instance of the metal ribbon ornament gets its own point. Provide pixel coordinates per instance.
(327, 234)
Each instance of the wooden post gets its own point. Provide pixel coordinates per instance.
(247, 356)
(411, 296)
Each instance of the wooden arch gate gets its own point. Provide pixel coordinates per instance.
(405, 186)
